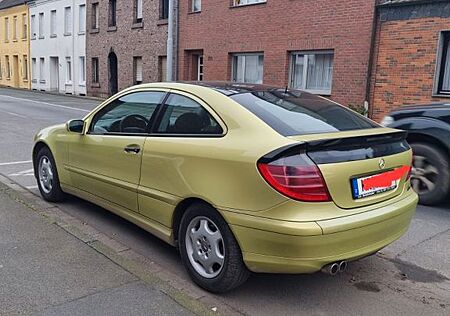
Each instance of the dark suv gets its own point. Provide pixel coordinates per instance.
(428, 129)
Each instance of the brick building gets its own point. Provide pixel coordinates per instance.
(125, 44)
(318, 45)
(411, 55)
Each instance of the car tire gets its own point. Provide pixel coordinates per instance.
(47, 176)
(430, 176)
(203, 231)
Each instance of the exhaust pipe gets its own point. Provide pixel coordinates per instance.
(331, 269)
(343, 266)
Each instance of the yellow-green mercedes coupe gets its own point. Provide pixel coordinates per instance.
(239, 177)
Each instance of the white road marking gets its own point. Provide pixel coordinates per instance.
(28, 172)
(31, 187)
(46, 103)
(13, 114)
(15, 163)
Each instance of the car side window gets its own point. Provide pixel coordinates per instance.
(129, 114)
(183, 115)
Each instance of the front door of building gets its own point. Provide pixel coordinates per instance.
(112, 74)
(54, 74)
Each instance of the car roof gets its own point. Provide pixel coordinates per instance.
(227, 88)
(428, 106)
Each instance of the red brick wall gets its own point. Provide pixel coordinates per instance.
(277, 27)
(404, 63)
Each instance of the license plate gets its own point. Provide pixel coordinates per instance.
(360, 191)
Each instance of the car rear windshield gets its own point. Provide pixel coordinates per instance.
(297, 113)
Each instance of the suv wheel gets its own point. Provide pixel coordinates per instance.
(430, 176)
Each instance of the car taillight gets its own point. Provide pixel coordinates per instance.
(297, 177)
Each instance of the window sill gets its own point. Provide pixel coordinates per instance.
(6, 41)
(33, 38)
(8, 78)
(93, 31)
(112, 28)
(41, 37)
(14, 40)
(67, 34)
(24, 39)
(25, 80)
(246, 5)
(137, 25)
(42, 81)
(68, 84)
(82, 84)
(95, 85)
(34, 81)
(162, 22)
(195, 12)
(440, 95)
(81, 33)
(53, 36)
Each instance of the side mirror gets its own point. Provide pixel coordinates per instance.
(75, 126)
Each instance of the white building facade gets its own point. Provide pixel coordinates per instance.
(58, 46)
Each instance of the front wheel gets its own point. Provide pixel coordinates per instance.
(209, 250)
(47, 176)
(430, 176)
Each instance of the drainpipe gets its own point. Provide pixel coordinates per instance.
(170, 36)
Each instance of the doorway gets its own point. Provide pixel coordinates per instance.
(112, 74)
(54, 74)
(15, 74)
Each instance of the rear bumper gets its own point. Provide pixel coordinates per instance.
(305, 247)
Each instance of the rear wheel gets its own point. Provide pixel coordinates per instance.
(47, 176)
(209, 250)
(430, 176)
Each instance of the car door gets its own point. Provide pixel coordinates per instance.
(106, 160)
(184, 129)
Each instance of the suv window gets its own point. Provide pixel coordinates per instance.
(295, 112)
(129, 114)
(183, 115)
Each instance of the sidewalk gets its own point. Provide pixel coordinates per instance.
(44, 270)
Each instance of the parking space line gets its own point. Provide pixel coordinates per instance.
(15, 163)
(13, 114)
(28, 172)
(46, 103)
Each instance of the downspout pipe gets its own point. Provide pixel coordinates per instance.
(170, 41)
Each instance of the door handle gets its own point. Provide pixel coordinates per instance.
(132, 149)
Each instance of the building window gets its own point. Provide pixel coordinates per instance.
(82, 19)
(137, 66)
(196, 5)
(200, 68)
(53, 23)
(24, 26)
(8, 68)
(6, 29)
(25, 67)
(246, 2)
(82, 70)
(162, 65)
(33, 70)
(33, 26)
(95, 70)
(95, 16)
(41, 70)
(138, 11)
(248, 68)
(68, 70)
(67, 21)
(112, 13)
(443, 70)
(164, 9)
(1, 69)
(41, 25)
(15, 28)
(312, 71)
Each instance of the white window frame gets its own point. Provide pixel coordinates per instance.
(196, 5)
(200, 67)
(24, 26)
(67, 21)
(95, 15)
(82, 19)
(34, 70)
(237, 3)
(292, 57)
(53, 23)
(25, 68)
(95, 70)
(69, 74)
(82, 67)
(41, 25)
(15, 27)
(41, 70)
(7, 29)
(234, 65)
(33, 26)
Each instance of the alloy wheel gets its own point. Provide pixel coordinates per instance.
(45, 174)
(424, 175)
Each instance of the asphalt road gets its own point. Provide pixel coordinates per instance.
(411, 277)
